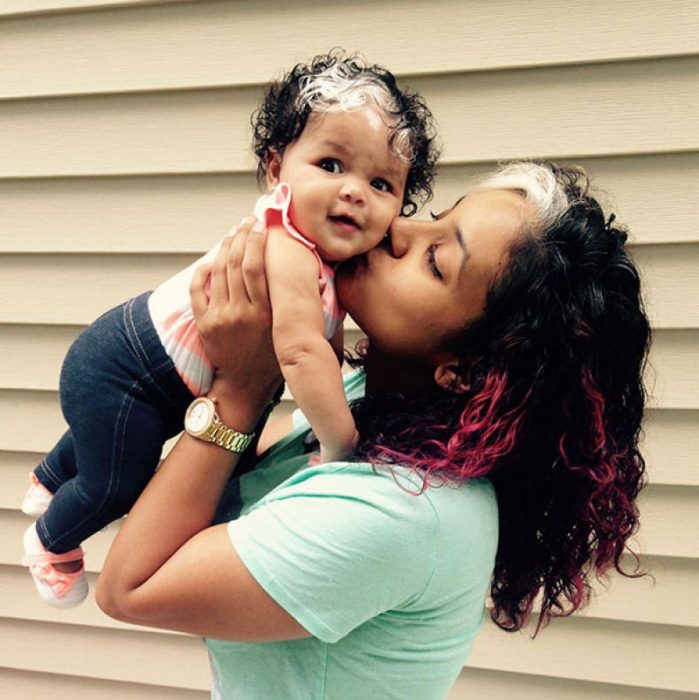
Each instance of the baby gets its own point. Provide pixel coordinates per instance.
(342, 151)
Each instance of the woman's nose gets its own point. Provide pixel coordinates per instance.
(401, 235)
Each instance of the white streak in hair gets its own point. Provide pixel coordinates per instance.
(538, 183)
(337, 89)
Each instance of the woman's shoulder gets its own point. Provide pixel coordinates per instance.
(467, 507)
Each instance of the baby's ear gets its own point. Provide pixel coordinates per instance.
(449, 379)
(273, 163)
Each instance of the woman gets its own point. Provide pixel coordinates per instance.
(506, 339)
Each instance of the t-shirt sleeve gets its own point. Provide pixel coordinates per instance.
(338, 546)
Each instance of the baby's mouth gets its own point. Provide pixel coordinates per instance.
(346, 222)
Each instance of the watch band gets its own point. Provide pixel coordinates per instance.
(203, 422)
(228, 438)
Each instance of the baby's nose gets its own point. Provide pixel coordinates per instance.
(351, 191)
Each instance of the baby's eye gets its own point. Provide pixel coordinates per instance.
(378, 183)
(330, 165)
(432, 261)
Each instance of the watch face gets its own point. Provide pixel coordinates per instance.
(199, 417)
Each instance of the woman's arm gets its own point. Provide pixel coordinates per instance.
(308, 361)
(167, 568)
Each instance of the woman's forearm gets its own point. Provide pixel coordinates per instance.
(179, 502)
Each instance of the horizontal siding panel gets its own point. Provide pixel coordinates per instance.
(510, 115)
(10, 8)
(199, 131)
(661, 509)
(186, 213)
(483, 117)
(177, 661)
(25, 684)
(161, 48)
(499, 685)
(14, 467)
(670, 446)
(176, 214)
(673, 374)
(670, 283)
(75, 289)
(631, 654)
(671, 597)
(32, 357)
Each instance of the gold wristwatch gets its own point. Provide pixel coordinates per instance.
(201, 421)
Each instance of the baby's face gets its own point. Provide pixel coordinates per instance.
(346, 184)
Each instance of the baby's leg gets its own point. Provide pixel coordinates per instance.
(114, 465)
(59, 464)
(113, 396)
(54, 470)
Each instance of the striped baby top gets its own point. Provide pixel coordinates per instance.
(171, 309)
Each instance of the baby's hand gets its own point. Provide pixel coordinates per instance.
(338, 454)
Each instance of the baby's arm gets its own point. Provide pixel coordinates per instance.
(307, 360)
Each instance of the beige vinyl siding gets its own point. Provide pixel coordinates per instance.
(124, 154)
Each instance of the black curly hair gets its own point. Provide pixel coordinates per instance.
(281, 119)
(553, 411)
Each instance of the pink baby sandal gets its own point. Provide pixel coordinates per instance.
(37, 498)
(54, 587)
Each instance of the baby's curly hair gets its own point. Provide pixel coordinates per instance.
(338, 82)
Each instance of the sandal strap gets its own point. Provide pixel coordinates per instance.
(52, 558)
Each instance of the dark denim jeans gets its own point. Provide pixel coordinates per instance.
(122, 398)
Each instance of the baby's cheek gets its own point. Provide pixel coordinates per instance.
(370, 241)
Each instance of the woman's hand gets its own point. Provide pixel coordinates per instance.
(234, 320)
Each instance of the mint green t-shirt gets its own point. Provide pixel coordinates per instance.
(391, 585)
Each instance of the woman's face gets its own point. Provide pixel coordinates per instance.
(430, 278)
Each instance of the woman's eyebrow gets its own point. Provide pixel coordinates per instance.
(444, 212)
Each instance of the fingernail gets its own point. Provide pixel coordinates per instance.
(246, 220)
(259, 227)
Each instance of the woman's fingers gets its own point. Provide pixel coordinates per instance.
(213, 285)
(218, 281)
(253, 268)
(198, 293)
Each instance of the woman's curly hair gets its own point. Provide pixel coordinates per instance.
(336, 81)
(552, 415)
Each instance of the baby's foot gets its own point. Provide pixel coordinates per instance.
(37, 498)
(56, 586)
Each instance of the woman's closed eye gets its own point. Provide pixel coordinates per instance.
(330, 165)
(432, 261)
